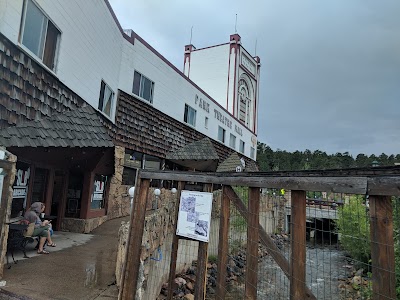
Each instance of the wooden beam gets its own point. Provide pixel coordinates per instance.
(202, 259)
(175, 244)
(252, 244)
(201, 276)
(134, 247)
(382, 247)
(223, 246)
(49, 191)
(384, 186)
(298, 246)
(88, 182)
(352, 185)
(265, 239)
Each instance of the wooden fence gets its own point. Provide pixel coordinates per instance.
(378, 183)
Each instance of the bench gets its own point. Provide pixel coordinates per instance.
(17, 240)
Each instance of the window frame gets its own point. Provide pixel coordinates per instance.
(252, 152)
(141, 87)
(186, 115)
(102, 93)
(232, 145)
(242, 146)
(39, 58)
(220, 129)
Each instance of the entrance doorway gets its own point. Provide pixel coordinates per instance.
(56, 199)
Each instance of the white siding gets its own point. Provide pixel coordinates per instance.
(172, 91)
(92, 48)
(90, 45)
(209, 69)
(10, 18)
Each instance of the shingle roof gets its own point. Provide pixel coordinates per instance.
(198, 150)
(233, 161)
(199, 155)
(76, 128)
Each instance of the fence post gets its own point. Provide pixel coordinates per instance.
(298, 246)
(202, 254)
(134, 246)
(223, 245)
(382, 247)
(175, 244)
(252, 243)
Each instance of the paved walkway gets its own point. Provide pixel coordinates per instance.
(82, 266)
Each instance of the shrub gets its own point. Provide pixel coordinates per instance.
(353, 227)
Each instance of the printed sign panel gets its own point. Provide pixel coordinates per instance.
(194, 215)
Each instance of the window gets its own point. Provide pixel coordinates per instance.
(252, 152)
(143, 87)
(106, 99)
(190, 115)
(206, 122)
(241, 146)
(232, 141)
(39, 34)
(244, 102)
(221, 134)
(99, 192)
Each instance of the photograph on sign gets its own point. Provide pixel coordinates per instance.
(194, 215)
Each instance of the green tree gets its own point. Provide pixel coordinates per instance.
(353, 227)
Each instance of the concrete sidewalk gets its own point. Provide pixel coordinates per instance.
(82, 266)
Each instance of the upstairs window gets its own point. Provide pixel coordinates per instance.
(143, 87)
(39, 34)
(190, 115)
(106, 99)
(241, 146)
(221, 134)
(252, 151)
(232, 141)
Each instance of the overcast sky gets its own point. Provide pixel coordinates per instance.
(330, 73)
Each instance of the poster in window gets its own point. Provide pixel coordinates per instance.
(98, 192)
(194, 216)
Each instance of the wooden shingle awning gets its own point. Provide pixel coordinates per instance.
(199, 155)
(79, 128)
(233, 161)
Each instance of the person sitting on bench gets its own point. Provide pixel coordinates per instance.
(42, 229)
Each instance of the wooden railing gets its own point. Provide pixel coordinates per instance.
(378, 183)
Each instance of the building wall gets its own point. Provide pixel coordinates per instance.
(27, 90)
(209, 69)
(90, 46)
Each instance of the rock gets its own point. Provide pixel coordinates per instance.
(180, 281)
(190, 286)
(356, 280)
(359, 272)
(191, 270)
(189, 297)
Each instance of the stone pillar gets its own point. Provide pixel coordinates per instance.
(5, 205)
(118, 198)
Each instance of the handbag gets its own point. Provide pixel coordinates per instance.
(29, 230)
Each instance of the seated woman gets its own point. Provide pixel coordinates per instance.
(42, 229)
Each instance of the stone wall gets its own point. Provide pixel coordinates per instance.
(81, 225)
(118, 197)
(5, 208)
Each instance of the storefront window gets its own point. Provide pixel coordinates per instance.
(20, 189)
(74, 195)
(99, 188)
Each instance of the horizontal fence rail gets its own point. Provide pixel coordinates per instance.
(375, 184)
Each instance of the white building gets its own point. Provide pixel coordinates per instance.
(58, 55)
